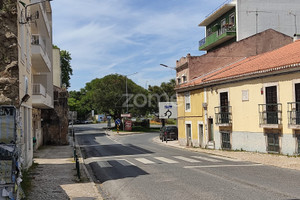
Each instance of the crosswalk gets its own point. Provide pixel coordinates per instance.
(152, 160)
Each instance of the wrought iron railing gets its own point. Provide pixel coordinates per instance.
(223, 115)
(294, 113)
(270, 113)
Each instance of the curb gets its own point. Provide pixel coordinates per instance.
(82, 164)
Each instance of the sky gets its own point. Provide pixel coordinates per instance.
(128, 36)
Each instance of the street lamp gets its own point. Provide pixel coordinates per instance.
(127, 91)
(28, 18)
(168, 66)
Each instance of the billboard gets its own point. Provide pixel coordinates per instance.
(167, 110)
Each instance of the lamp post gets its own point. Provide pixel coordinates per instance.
(168, 66)
(127, 91)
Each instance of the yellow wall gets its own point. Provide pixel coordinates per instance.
(194, 116)
(245, 114)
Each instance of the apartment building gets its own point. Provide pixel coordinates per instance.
(253, 104)
(26, 67)
(236, 20)
(42, 65)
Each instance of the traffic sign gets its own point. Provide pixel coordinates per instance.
(118, 121)
(167, 110)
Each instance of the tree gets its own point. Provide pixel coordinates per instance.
(163, 93)
(66, 69)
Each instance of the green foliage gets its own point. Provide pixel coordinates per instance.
(108, 96)
(163, 93)
(66, 69)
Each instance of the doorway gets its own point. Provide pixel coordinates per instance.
(189, 134)
(200, 131)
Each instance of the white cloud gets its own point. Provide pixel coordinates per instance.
(121, 36)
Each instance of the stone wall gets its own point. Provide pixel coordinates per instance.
(9, 69)
(55, 121)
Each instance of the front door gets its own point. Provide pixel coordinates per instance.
(226, 144)
(189, 134)
(201, 135)
(271, 105)
(210, 129)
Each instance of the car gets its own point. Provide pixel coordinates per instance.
(168, 132)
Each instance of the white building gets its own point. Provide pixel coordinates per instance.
(238, 19)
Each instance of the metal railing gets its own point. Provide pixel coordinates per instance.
(270, 114)
(38, 89)
(223, 114)
(217, 34)
(294, 113)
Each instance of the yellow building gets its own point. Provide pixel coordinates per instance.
(252, 105)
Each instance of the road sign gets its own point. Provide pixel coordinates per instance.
(126, 115)
(118, 121)
(167, 110)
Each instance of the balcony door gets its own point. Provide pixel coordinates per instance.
(297, 98)
(224, 107)
(271, 105)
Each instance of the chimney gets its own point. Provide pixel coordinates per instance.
(296, 37)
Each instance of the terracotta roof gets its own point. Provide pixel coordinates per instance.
(281, 58)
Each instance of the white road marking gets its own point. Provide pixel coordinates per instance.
(187, 159)
(144, 160)
(206, 159)
(125, 162)
(215, 166)
(103, 164)
(166, 160)
(225, 158)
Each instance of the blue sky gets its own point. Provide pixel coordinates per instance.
(128, 36)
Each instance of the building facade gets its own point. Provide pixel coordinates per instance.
(252, 104)
(236, 20)
(24, 59)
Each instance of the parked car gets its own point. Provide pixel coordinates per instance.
(168, 132)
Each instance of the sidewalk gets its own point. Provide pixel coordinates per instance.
(55, 176)
(289, 162)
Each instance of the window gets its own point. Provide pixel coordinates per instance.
(271, 105)
(179, 81)
(223, 27)
(184, 78)
(209, 32)
(232, 19)
(187, 99)
(297, 99)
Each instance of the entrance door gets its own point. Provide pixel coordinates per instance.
(189, 134)
(224, 107)
(226, 144)
(211, 129)
(200, 129)
(297, 98)
(271, 107)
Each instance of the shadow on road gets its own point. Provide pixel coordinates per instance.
(115, 171)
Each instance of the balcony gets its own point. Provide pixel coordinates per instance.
(270, 115)
(223, 115)
(294, 114)
(40, 58)
(218, 37)
(40, 98)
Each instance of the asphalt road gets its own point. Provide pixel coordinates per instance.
(134, 167)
